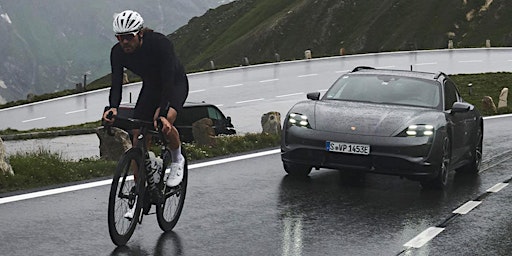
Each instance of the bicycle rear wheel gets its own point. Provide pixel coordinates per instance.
(126, 192)
(169, 211)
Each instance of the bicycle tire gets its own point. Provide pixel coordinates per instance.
(169, 212)
(125, 191)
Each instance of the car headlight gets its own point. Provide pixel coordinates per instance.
(418, 130)
(298, 120)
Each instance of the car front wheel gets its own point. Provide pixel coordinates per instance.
(441, 180)
(297, 170)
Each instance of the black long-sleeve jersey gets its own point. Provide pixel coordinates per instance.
(165, 83)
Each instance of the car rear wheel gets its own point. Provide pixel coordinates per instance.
(441, 180)
(473, 167)
(297, 170)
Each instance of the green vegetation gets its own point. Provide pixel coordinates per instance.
(44, 168)
(489, 84)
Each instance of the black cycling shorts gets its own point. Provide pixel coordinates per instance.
(149, 99)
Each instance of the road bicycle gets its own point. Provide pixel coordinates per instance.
(131, 186)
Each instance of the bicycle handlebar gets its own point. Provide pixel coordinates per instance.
(137, 123)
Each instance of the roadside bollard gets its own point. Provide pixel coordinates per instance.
(470, 87)
(307, 54)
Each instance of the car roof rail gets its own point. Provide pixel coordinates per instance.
(361, 68)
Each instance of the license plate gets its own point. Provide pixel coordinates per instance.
(349, 148)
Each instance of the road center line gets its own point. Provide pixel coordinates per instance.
(246, 101)
(467, 207)
(202, 90)
(425, 236)
(307, 75)
(76, 111)
(426, 63)
(269, 80)
(470, 61)
(35, 119)
(233, 85)
(497, 187)
(291, 94)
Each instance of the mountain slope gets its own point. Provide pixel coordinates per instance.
(258, 29)
(48, 45)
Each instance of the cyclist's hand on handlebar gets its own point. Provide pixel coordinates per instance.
(166, 125)
(109, 115)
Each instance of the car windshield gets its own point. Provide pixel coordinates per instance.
(388, 89)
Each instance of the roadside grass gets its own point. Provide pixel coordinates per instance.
(487, 84)
(43, 168)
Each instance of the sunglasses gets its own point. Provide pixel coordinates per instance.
(126, 36)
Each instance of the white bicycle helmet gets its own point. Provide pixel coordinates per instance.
(127, 21)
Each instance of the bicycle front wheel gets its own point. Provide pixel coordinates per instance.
(126, 192)
(169, 211)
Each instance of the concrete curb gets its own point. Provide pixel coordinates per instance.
(48, 134)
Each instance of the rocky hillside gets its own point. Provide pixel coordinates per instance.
(48, 45)
(258, 29)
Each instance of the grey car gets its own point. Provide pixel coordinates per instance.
(405, 123)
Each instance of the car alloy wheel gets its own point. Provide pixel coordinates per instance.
(441, 180)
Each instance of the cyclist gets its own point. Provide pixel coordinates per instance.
(150, 55)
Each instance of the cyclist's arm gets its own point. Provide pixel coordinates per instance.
(117, 77)
(170, 69)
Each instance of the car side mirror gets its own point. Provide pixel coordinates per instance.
(461, 107)
(313, 95)
(228, 119)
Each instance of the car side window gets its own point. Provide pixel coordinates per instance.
(450, 94)
(214, 114)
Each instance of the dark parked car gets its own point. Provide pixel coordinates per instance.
(192, 111)
(406, 123)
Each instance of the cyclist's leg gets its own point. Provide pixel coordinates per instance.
(179, 93)
(179, 96)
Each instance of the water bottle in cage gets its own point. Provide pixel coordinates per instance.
(154, 166)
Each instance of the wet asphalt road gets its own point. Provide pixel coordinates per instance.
(250, 207)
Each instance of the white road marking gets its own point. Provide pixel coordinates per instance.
(35, 119)
(308, 75)
(233, 85)
(425, 236)
(288, 95)
(497, 187)
(470, 61)
(219, 105)
(202, 90)
(246, 101)
(76, 111)
(269, 80)
(467, 207)
(497, 116)
(109, 181)
(426, 63)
